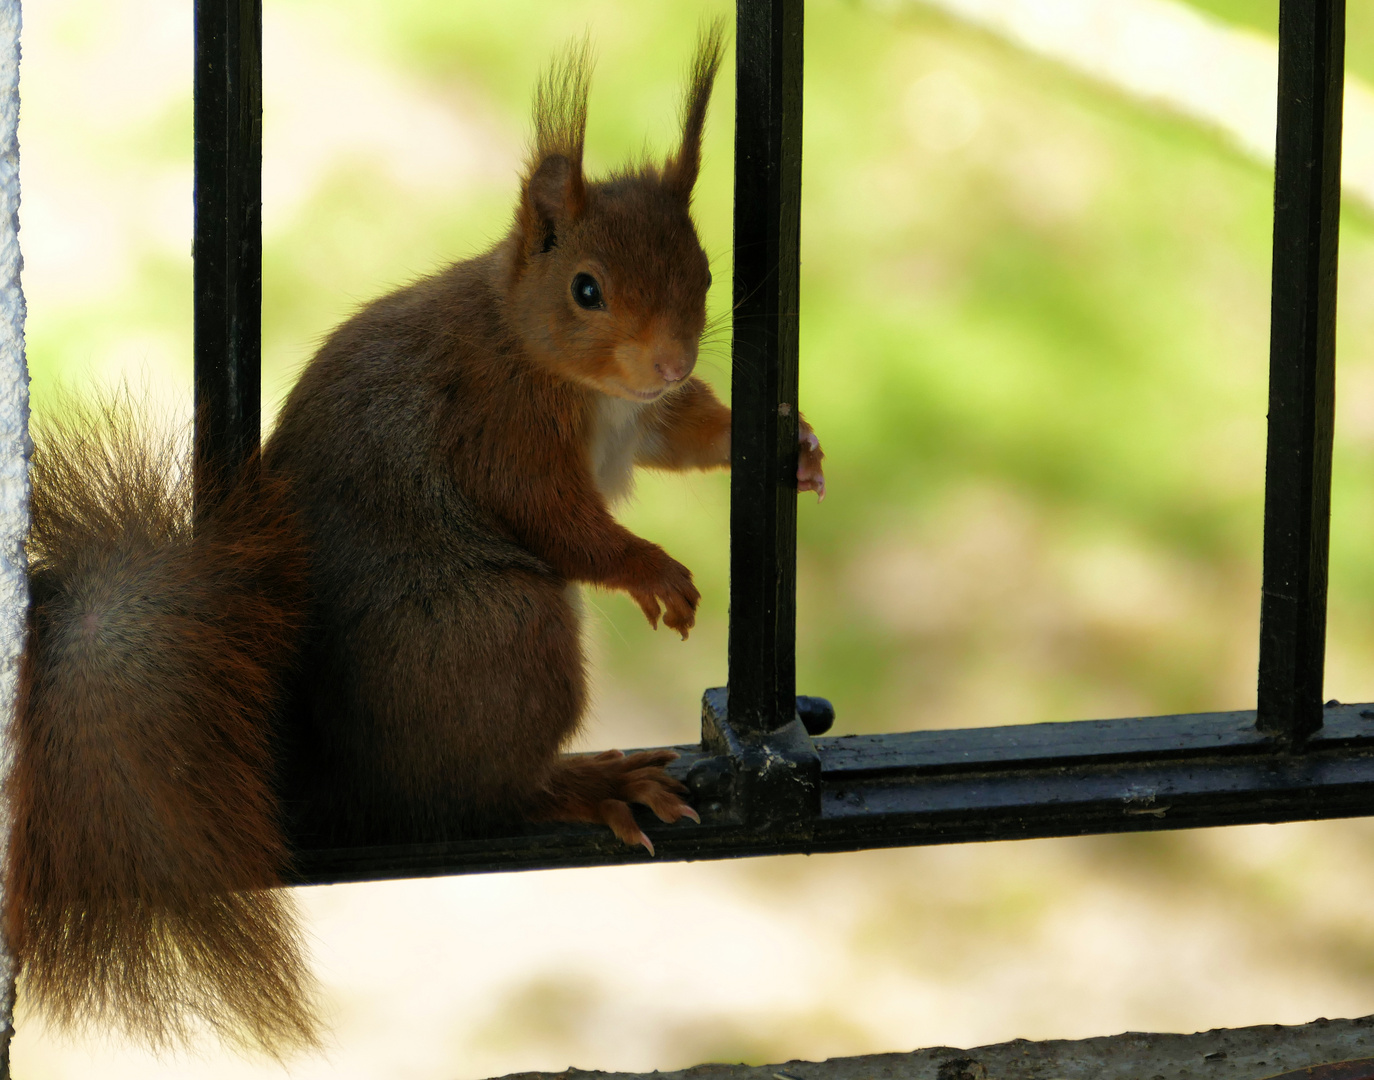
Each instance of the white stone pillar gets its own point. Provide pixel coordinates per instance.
(14, 450)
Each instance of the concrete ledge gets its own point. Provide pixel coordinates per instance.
(1233, 1054)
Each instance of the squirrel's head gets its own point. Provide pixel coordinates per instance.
(608, 280)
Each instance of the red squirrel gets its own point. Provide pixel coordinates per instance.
(375, 636)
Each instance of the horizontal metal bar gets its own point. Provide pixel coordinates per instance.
(939, 787)
(1081, 741)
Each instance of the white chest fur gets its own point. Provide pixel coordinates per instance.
(615, 437)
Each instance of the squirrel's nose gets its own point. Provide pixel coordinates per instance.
(675, 368)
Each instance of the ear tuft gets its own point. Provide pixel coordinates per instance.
(554, 190)
(680, 175)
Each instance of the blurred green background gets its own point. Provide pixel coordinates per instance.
(1033, 341)
(1034, 345)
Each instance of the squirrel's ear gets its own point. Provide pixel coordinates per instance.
(680, 174)
(555, 192)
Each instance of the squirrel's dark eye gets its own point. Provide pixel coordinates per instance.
(587, 292)
(709, 279)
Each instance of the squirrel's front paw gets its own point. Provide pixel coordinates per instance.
(809, 455)
(667, 581)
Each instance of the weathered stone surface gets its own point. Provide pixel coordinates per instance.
(1225, 1054)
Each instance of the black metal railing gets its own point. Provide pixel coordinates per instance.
(763, 780)
(1302, 367)
(228, 237)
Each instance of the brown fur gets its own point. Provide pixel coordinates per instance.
(146, 836)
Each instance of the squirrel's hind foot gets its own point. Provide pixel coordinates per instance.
(599, 790)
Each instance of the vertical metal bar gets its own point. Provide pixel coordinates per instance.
(763, 489)
(1302, 365)
(228, 236)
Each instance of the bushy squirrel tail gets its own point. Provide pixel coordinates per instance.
(146, 833)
